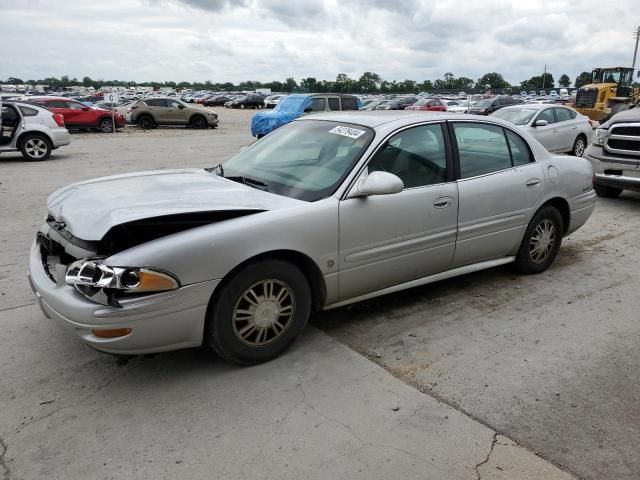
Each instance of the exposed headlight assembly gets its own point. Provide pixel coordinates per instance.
(600, 136)
(101, 283)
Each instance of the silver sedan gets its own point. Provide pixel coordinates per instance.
(325, 211)
(559, 128)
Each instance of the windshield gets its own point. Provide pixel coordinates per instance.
(483, 103)
(305, 160)
(517, 116)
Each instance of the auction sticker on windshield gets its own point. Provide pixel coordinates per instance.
(347, 131)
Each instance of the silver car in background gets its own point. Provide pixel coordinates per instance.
(325, 211)
(32, 130)
(560, 129)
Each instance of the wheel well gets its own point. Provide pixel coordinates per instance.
(563, 207)
(42, 134)
(302, 261)
(195, 115)
(142, 115)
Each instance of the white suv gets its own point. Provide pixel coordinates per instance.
(32, 130)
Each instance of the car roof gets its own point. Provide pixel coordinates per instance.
(533, 106)
(393, 119)
(50, 97)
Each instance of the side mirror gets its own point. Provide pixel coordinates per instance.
(540, 123)
(377, 183)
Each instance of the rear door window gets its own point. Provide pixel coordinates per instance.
(563, 115)
(482, 149)
(520, 153)
(156, 102)
(56, 104)
(334, 104)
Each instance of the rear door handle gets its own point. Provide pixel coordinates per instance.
(533, 182)
(442, 202)
(555, 130)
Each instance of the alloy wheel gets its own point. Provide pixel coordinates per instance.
(579, 147)
(36, 148)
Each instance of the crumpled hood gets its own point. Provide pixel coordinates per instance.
(91, 208)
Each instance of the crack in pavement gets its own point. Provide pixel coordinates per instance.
(82, 400)
(494, 442)
(3, 463)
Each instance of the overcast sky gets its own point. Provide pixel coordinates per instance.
(235, 40)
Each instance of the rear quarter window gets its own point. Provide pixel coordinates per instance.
(349, 103)
(28, 112)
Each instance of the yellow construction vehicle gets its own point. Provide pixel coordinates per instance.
(609, 92)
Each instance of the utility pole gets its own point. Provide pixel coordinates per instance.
(636, 35)
(544, 77)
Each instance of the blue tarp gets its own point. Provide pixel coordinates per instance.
(288, 109)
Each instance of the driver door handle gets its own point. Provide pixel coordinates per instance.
(533, 182)
(443, 202)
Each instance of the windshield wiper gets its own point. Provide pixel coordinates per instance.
(252, 182)
(218, 170)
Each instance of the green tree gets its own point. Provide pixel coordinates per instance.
(14, 81)
(289, 85)
(494, 80)
(369, 82)
(462, 83)
(583, 79)
(448, 79)
(426, 86)
(564, 80)
(87, 82)
(308, 84)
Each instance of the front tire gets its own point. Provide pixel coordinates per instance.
(35, 147)
(259, 312)
(607, 192)
(579, 146)
(541, 241)
(199, 122)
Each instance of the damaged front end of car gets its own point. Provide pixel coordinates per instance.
(79, 263)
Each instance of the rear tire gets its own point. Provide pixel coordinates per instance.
(607, 192)
(146, 122)
(259, 312)
(579, 146)
(541, 241)
(105, 125)
(35, 147)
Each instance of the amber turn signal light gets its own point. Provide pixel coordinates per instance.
(112, 333)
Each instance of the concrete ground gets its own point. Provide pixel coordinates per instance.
(468, 378)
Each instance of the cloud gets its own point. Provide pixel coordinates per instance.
(236, 40)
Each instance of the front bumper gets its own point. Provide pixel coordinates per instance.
(159, 322)
(614, 172)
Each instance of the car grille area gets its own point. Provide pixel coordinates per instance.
(52, 253)
(586, 98)
(624, 139)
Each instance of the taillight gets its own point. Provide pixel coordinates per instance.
(590, 123)
(59, 119)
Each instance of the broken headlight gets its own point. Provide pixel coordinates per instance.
(102, 283)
